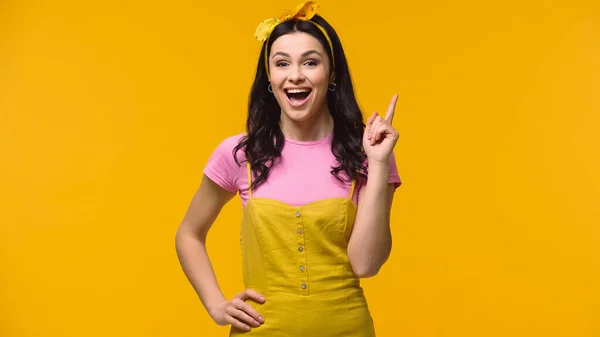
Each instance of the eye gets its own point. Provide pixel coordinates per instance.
(311, 63)
(281, 64)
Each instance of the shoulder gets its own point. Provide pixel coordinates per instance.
(227, 145)
(222, 167)
(231, 142)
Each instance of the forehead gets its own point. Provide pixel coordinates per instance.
(296, 43)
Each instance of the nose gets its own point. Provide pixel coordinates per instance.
(296, 75)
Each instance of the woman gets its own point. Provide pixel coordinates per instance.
(316, 184)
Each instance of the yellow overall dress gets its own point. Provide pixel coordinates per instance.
(297, 258)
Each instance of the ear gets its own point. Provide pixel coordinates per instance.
(332, 77)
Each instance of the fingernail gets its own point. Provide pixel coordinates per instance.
(261, 319)
(262, 299)
(256, 323)
(247, 328)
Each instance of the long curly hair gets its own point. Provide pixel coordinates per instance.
(264, 140)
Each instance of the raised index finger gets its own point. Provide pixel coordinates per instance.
(389, 116)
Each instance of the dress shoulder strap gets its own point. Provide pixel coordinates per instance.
(352, 188)
(249, 179)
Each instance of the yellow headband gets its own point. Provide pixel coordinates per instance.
(303, 12)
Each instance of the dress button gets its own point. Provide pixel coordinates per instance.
(301, 268)
(297, 213)
(303, 286)
(299, 231)
(300, 249)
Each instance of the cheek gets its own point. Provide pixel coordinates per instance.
(320, 79)
(322, 85)
(276, 80)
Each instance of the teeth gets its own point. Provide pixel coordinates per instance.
(296, 91)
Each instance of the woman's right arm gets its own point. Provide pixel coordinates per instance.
(190, 242)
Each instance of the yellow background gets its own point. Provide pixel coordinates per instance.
(110, 109)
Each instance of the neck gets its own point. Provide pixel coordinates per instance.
(315, 128)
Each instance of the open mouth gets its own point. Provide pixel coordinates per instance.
(299, 96)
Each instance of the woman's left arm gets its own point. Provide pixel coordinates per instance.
(371, 240)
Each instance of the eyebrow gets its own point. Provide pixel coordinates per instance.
(305, 54)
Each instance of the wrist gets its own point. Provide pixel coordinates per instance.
(379, 167)
(210, 307)
(377, 174)
(378, 159)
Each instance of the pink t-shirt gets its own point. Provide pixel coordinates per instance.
(301, 175)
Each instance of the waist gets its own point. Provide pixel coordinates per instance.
(300, 278)
(306, 288)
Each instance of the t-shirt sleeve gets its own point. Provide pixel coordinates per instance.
(393, 176)
(222, 167)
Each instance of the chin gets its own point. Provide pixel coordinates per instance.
(299, 116)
